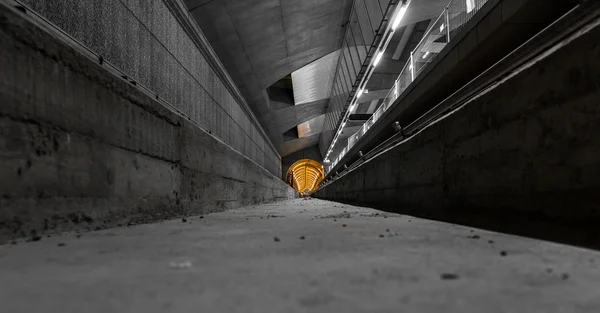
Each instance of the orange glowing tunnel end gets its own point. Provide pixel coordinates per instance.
(305, 176)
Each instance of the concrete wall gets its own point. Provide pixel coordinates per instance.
(158, 45)
(526, 152)
(83, 149)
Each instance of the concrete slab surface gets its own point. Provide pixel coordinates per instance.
(297, 256)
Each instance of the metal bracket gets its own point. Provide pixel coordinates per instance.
(398, 128)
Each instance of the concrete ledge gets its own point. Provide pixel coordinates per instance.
(81, 149)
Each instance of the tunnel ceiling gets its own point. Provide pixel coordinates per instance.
(262, 41)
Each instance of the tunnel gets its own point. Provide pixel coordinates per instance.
(299, 156)
(305, 175)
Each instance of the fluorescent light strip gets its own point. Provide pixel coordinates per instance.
(359, 93)
(399, 17)
(378, 58)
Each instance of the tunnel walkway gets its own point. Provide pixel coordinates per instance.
(297, 256)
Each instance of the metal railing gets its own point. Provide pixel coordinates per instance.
(445, 28)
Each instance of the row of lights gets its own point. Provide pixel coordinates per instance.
(399, 15)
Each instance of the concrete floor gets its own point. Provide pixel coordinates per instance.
(297, 256)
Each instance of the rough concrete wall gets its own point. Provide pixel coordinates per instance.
(83, 149)
(529, 147)
(148, 42)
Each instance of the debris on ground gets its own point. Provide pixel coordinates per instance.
(61, 244)
(184, 220)
(343, 225)
(564, 276)
(302, 238)
(449, 276)
(474, 237)
(503, 253)
(381, 236)
(276, 239)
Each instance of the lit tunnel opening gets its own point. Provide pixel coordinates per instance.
(305, 175)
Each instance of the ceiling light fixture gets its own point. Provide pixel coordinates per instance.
(399, 17)
(359, 93)
(378, 58)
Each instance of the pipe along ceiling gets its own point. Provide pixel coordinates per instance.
(305, 175)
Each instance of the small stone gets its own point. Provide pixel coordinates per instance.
(78, 236)
(180, 265)
(276, 239)
(184, 220)
(564, 276)
(302, 238)
(36, 238)
(475, 237)
(387, 230)
(343, 225)
(201, 216)
(13, 242)
(62, 244)
(381, 236)
(503, 253)
(490, 241)
(449, 276)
